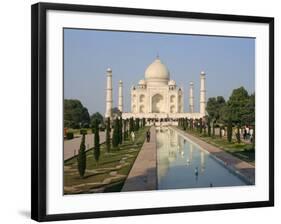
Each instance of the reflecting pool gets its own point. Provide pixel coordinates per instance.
(182, 164)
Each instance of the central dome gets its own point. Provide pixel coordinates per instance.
(157, 71)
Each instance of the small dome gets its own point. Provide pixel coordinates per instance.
(109, 70)
(142, 82)
(157, 71)
(172, 83)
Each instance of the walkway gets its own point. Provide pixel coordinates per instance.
(71, 147)
(241, 167)
(143, 175)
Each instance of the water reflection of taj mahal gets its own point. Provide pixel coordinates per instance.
(169, 153)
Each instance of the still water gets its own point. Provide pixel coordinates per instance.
(182, 164)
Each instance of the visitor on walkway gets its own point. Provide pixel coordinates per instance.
(133, 137)
(148, 136)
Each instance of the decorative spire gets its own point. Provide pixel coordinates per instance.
(109, 98)
(120, 96)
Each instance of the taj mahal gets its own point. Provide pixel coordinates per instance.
(157, 96)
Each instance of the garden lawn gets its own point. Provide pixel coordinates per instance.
(109, 174)
(243, 151)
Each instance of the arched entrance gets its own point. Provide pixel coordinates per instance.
(157, 103)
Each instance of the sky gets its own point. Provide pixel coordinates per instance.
(229, 63)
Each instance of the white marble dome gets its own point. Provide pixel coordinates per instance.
(157, 71)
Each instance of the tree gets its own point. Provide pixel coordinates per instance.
(125, 129)
(143, 122)
(120, 128)
(214, 107)
(81, 159)
(137, 124)
(97, 142)
(75, 114)
(237, 104)
(229, 130)
(241, 108)
(108, 130)
(238, 134)
(209, 125)
(97, 116)
(116, 112)
(200, 125)
(248, 118)
(131, 124)
(115, 137)
(185, 124)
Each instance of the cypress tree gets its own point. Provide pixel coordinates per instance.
(124, 129)
(143, 122)
(108, 130)
(238, 134)
(220, 132)
(115, 134)
(253, 137)
(82, 157)
(127, 128)
(196, 125)
(229, 130)
(204, 130)
(137, 124)
(214, 124)
(200, 125)
(209, 126)
(120, 135)
(97, 142)
(132, 128)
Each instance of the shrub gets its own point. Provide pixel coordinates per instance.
(69, 135)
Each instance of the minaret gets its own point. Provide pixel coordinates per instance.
(202, 94)
(108, 110)
(120, 96)
(191, 98)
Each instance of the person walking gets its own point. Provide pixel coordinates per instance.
(133, 137)
(148, 136)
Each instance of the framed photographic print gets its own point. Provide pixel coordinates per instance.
(140, 111)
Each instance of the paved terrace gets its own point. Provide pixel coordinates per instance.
(239, 166)
(143, 175)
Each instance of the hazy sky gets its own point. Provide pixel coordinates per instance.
(229, 62)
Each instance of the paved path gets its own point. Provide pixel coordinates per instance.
(241, 167)
(72, 146)
(143, 175)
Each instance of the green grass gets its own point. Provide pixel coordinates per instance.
(243, 151)
(108, 162)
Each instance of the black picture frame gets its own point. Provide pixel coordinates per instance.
(39, 122)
